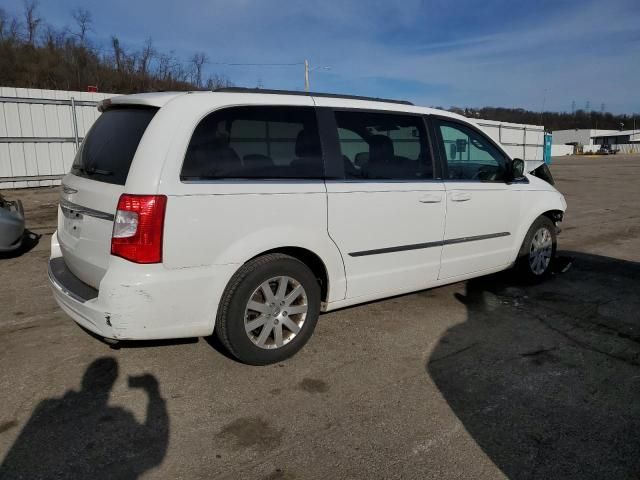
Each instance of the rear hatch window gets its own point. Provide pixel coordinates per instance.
(108, 149)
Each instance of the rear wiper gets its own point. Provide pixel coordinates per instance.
(99, 171)
(93, 170)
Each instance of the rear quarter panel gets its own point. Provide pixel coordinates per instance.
(220, 229)
(230, 222)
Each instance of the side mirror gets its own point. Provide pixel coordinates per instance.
(517, 168)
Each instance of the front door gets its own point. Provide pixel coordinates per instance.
(482, 209)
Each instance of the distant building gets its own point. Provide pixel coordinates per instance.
(589, 140)
(617, 138)
(579, 136)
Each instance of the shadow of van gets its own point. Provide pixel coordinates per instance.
(546, 378)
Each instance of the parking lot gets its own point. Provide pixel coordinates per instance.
(483, 379)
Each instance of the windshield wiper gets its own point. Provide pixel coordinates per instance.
(92, 170)
(99, 171)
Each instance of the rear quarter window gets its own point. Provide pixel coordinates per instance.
(256, 142)
(108, 149)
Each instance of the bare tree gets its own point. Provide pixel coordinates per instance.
(52, 38)
(9, 26)
(32, 20)
(163, 70)
(147, 53)
(14, 30)
(197, 62)
(218, 81)
(37, 54)
(117, 52)
(4, 23)
(83, 21)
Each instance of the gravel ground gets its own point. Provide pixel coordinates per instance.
(482, 379)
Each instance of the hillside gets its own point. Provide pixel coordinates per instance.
(35, 54)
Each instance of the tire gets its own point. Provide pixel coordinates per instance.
(538, 251)
(246, 303)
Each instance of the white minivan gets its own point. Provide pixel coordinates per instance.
(248, 212)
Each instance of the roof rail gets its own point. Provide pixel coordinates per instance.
(309, 94)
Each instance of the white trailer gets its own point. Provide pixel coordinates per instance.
(519, 140)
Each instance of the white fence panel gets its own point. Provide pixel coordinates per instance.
(38, 137)
(559, 150)
(590, 148)
(37, 134)
(628, 148)
(518, 140)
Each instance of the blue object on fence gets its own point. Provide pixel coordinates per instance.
(547, 149)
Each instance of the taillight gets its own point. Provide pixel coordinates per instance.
(138, 226)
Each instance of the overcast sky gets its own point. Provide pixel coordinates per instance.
(438, 52)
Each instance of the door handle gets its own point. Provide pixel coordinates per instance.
(431, 198)
(460, 197)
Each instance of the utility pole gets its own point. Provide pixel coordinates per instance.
(306, 75)
(308, 70)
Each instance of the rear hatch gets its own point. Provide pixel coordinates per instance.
(90, 192)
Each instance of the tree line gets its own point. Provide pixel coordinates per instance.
(555, 120)
(36, 54)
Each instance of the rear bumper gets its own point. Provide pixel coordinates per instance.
(77, 299)
(141, 302)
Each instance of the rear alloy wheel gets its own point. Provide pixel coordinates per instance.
(276, 312)
(269, 309)
(535, 260)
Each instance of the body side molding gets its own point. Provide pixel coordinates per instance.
(417, 246)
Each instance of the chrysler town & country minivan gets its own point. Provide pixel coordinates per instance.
(247, 213)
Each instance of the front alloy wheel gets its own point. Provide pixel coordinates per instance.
(540, 251)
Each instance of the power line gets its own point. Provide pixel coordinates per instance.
(257, 64)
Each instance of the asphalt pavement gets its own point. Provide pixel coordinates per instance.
(482, 379)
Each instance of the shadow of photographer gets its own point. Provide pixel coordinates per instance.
(81, 436)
